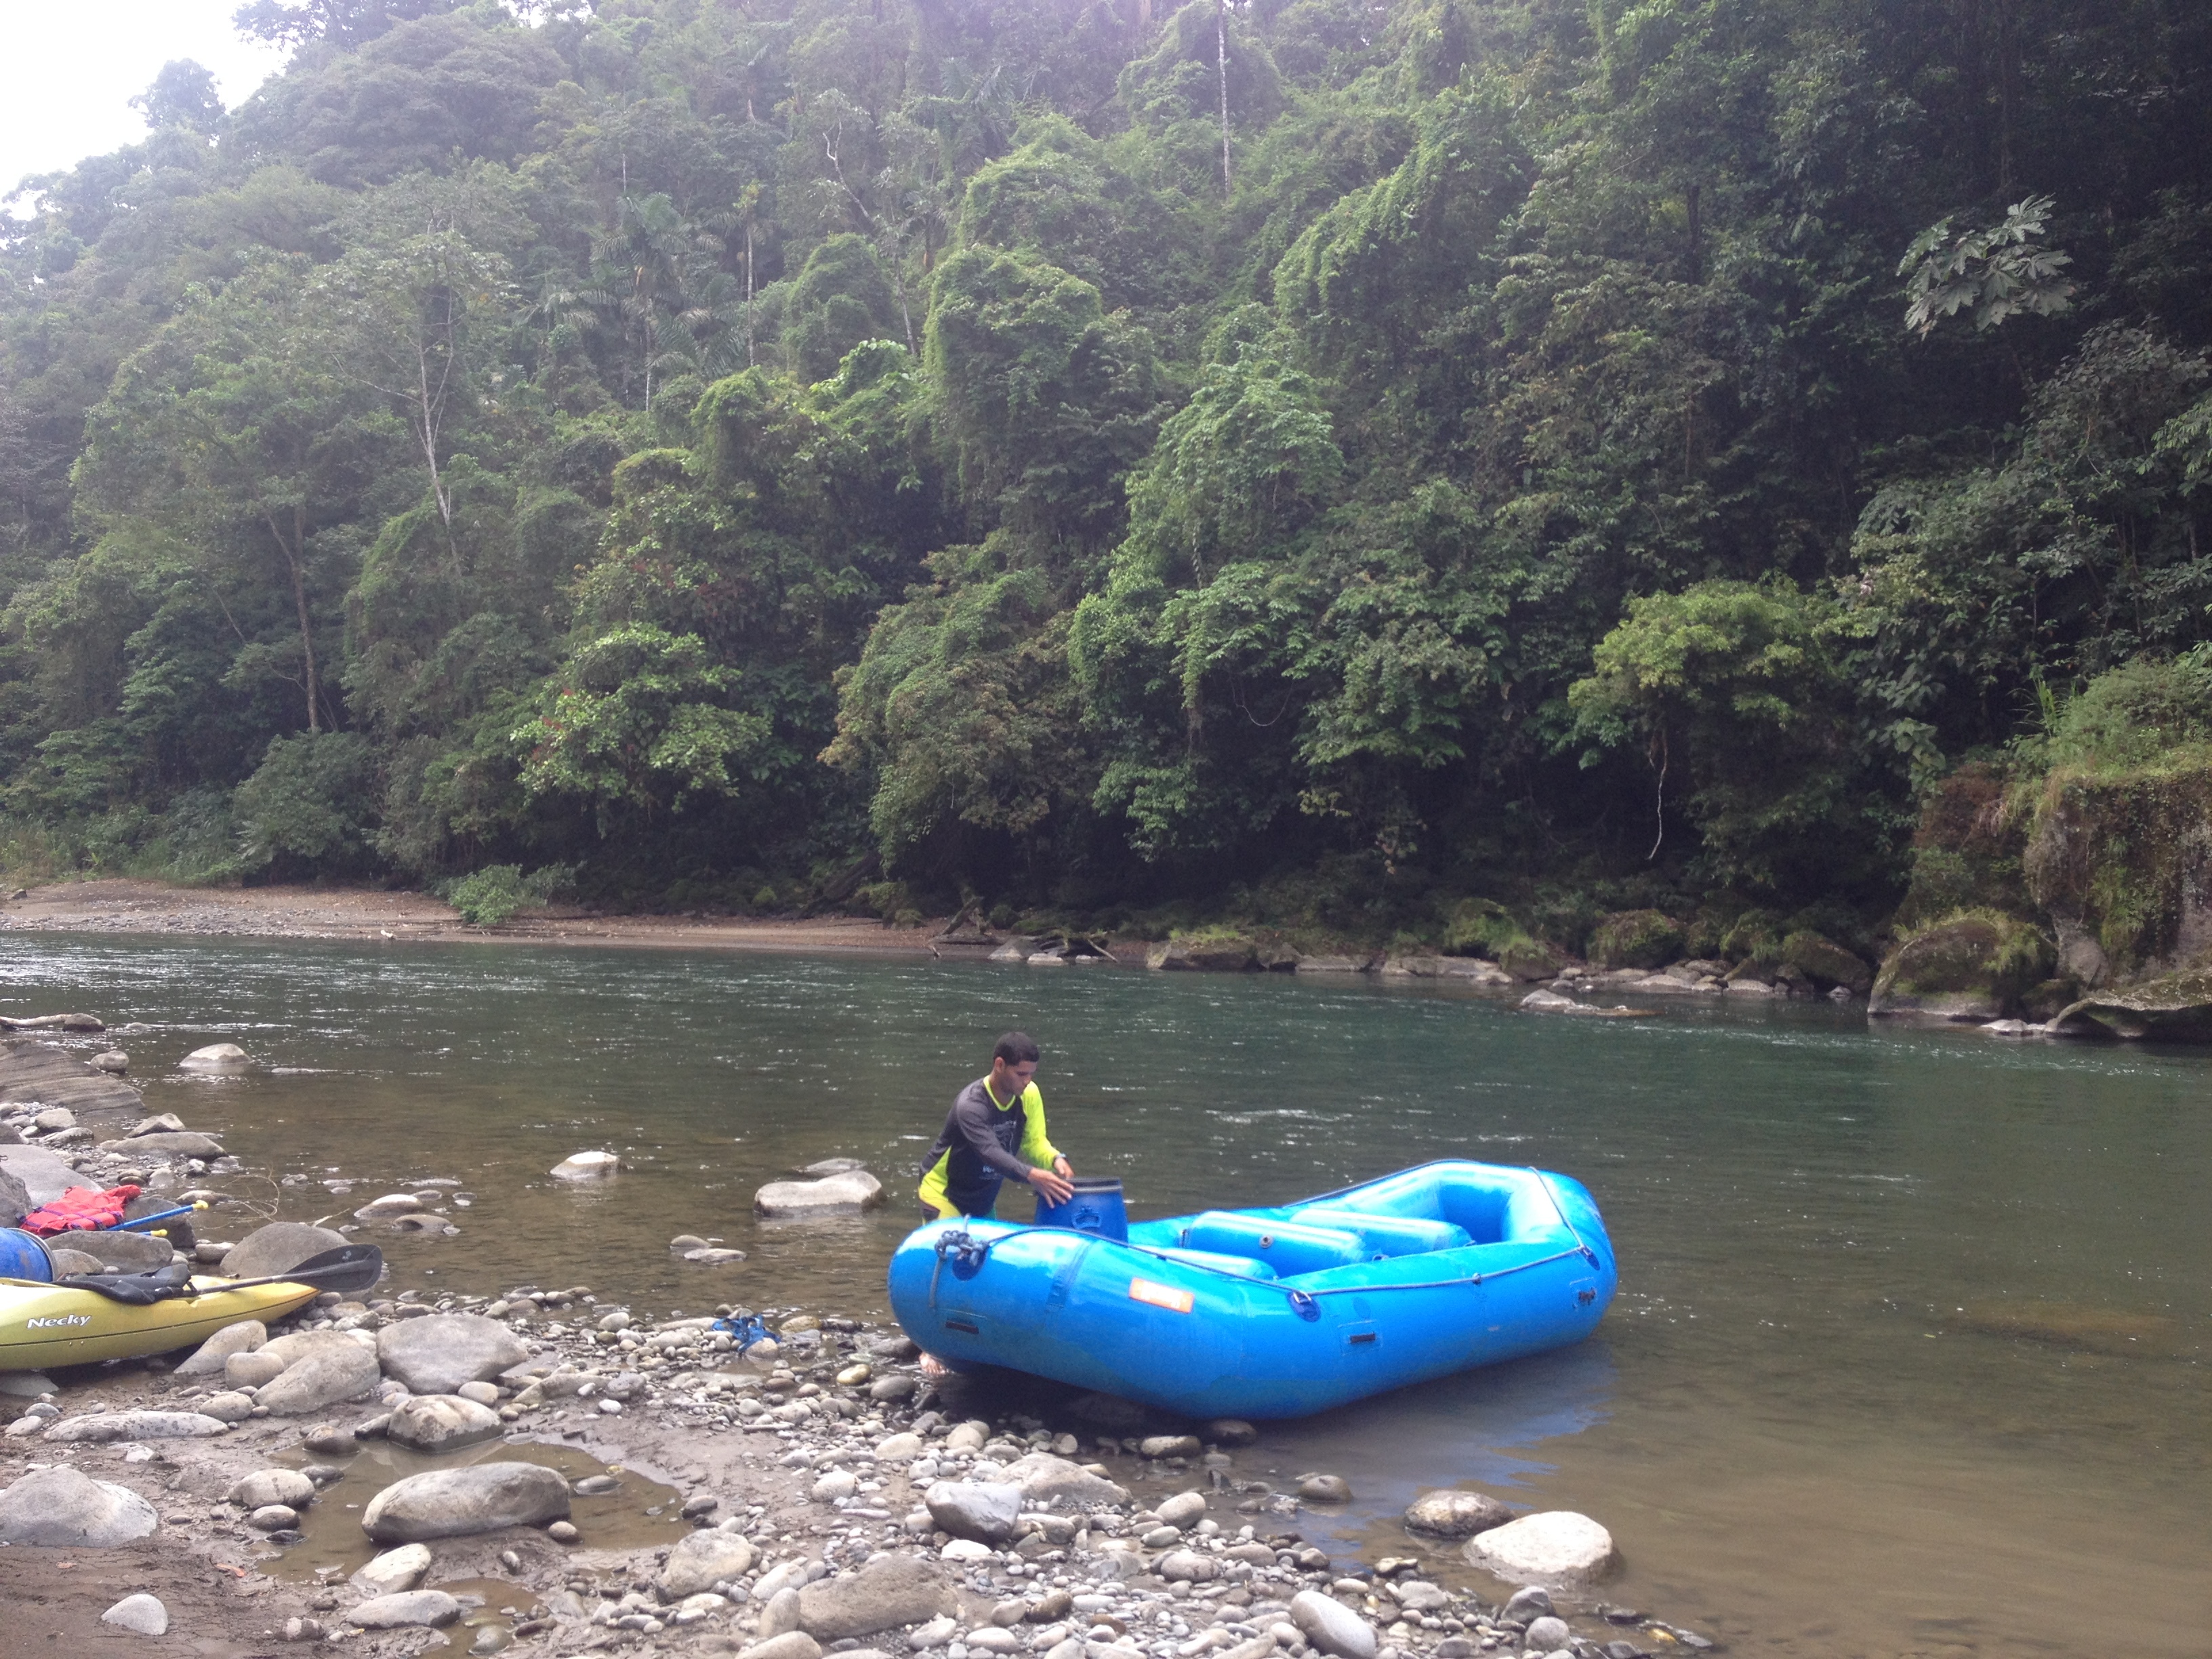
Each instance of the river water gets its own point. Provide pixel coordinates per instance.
(1909, 1355)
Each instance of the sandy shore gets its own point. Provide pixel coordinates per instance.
(119, 906)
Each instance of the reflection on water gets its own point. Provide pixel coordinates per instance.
(1908, 1356)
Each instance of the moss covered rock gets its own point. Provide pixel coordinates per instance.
(1484, 927)
(2173, 1008)
(1966, 849)
(1826, 963)
(1212, 951)
(1971, 966)
(2121, 863)
(1636, 939)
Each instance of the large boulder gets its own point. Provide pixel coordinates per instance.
(102, 1428)
(983, 1511)
(1332, 1627)
(702, 1560)
(1456, 1514)
(286, 1486)
(2172, 1008)
(120, 1252)
(1219, 952)
(406, 1609)
(321, 1368)
(64, 1508)
(441, 1422)
(393, 1571)
(1970, 967)
(1551, 1548)
(2118, 858)
(46, 1176)
(887, 1594)
(840, 1195)
(1827, 964)
(438, 1352)
(186, 1145)
(278, 1247)
(14, 1201)
(246, 1336)
(457, 1503)
(1043, 1477)
(1636, 939)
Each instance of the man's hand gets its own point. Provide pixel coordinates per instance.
(1052, 1185)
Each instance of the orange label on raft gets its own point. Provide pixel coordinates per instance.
(1160, 1295)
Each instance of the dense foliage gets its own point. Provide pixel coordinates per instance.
(1351, 457)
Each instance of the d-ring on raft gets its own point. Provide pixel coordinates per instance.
(1273, 1312)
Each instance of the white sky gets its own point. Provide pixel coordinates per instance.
(73, 67)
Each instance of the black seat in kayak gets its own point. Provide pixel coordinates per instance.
(135, 1289)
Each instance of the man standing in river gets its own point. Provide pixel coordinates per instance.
(995, 1130)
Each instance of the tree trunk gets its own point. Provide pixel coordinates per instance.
(1221, 67)
(295, 551)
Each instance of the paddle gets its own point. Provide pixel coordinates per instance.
(348, 1267)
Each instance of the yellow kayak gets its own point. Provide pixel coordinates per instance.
(47, 1325)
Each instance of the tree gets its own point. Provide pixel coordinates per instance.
(182, 95)
(1991, 272)
(341, 22)
(238, 433)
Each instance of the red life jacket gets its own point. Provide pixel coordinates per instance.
(80, 1210)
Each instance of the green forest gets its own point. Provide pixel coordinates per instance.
(1440, 469)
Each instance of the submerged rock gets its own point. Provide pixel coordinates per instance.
(393, 1571)
(215, 1057)
(1551, 1548)
(286, 1486)
(408, 1608)
(456, 1503)
(586, 1166)
(1456, 1514)
(833, 1195)
(441, 1422)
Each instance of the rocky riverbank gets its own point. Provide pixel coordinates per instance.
(535, 1469)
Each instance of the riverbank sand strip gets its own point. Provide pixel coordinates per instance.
(120, 906)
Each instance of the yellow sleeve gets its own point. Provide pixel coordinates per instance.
(933, 1189)
(1036, 1147)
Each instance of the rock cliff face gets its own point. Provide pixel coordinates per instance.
(2123, 867)
(2090, 892)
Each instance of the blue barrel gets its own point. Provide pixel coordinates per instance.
(1096, 1206)
(23, 1255)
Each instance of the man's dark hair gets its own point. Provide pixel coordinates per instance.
(1016, 1048)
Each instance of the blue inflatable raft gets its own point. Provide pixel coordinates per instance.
(1273, 1312)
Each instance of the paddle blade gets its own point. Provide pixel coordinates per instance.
(348, 1267)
